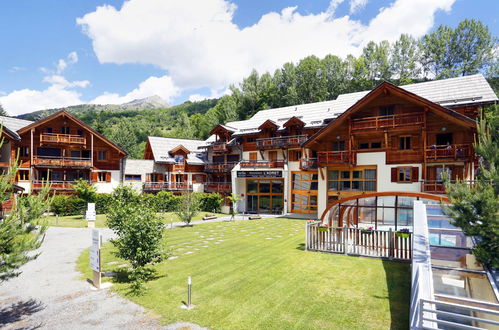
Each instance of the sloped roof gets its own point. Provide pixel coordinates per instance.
(161, 148)
(467, 90)
(12, 125)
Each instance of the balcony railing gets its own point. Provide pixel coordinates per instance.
(51, 161)
(168, 186)
(382, 122)
(225, 187)
(262, 163)
(179, 167)
(334, 157)
(308, 164)
(61, 138)
(220, 146)
(219, 167)
(438, 153)
(54, 185)
(281, 142)
(437, 186)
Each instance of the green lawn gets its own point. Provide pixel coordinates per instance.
(256, 275)
(78, 221)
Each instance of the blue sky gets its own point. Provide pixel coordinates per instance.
(57, 53)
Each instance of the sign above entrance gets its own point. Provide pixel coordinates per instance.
(259, 174)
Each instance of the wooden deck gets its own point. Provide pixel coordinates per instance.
(451, 152)
(325, 158)
(50, 161)
(281, 142)
(62, 138)
(384, 122)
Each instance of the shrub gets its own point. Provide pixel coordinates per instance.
(67, 205)
(167, 202)
(188, 207)
(209, 202)
(102, 202)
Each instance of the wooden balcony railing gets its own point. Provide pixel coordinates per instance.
(168, 186)
(382, 122)
(50, 161)
(404, 156)
(281, 142)
(61, 138)
(179, 167)
(325, 158)
(224, 187)
(308, 163)
(262, 163)
(437, 186)
(219, 167)
(220, 147)
(438, 153)
(54, 185)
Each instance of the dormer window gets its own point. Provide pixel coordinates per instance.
(179, 159)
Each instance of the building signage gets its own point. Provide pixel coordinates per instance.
(259, 174)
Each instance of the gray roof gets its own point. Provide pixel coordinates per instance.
(12, 125)
(451, 92)
(161, 147)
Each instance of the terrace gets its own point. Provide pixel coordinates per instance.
(384, 122)
(49, 138)
(325, 158)
(451, 152)
(220, 187)
(57, 161)
(281, 142)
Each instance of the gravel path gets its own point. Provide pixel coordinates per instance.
(49, 293)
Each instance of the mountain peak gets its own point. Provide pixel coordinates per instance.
(153, 101)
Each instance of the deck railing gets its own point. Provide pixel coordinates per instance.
(61, 138)
(220, 167)
(334, 157)
(262, 163)
(437, 186)
(220, 146)
(381, 122)
(168, 186)
(52, 161)
(54, 185)
(280, 142)
(356, 241)
(225, 187)
(308, 163)
(437, 153)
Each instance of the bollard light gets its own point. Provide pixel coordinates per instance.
(189, 282)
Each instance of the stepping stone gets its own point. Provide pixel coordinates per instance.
(189, 252)
(268, 238)
(205, 246)
(112, 263)
(172, 258)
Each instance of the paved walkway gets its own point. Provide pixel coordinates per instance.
(49, 293)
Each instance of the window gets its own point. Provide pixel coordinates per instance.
(272, 156)
(133, 177)
(102, 155)
(23, 175)
(80, 132)
(388, 110)
(179, 159)
(49, 130)
(305, 181)
(251, 139)
(444, 139)
(405, 174)
(370, 145)
(294, 155)
(304, 192)
(23, 151)
(65, 130)
(102, 176)
(352, 180)
(404, 143)
(198, 178)
(52, 152)
(338, 146)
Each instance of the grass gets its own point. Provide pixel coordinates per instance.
(255, 274)
(78, 221)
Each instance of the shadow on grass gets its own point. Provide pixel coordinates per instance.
(19, 310)
(301, 247)
(398, 283)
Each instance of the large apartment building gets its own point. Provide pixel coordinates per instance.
(59, 149)
(300, 159)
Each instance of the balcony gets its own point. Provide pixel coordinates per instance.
(404, 156)
(220, 147)
(437, 186)
(262, 164)
(62, 138)
(308, 164)
(50, 161)
(168, 186)
(281, 142)
(384, 122)
(451, 152)
(54, 185)
(218, 187)
(178, 167)
(325, 158)
(219, 167)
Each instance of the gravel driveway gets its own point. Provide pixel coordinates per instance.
(49, 294)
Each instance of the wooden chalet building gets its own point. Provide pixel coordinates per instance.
(60, 149)
(299, 159)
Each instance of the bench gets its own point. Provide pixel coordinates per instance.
(209, 217)
(254, 217)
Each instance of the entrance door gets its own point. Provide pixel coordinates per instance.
(252, 203)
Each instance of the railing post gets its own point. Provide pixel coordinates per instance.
(391, 247)
(345, 240)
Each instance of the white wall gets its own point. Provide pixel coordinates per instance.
(108, 187)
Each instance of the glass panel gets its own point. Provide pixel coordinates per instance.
(367, 215)
(313, 200)
(357, 174)
(454, 258)
(264, 203)
(296, 176)
(277, 204)
(345, 174)
(357, 185)
(264, 186)
(252, 204)
(345, 185)
(369, 174)
(315, 177)
(386, 218)
(369, 185)
(314, 186)
(406, 201)
(277, 186)
(305, 177)
(333, 185)
(368, 201)
(332, 175)
(404, 218)
(440, 222)
(463, 284)
(251, 186)
(386, 201)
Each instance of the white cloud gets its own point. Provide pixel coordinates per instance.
(62, 64)
(356, 5)
(62, 82)
(214, 94)
(17, 69)
(199, 45)
(161, 86)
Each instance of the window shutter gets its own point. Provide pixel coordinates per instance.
(94, 176)
(108, 176)
(394, 174)
(415, 174)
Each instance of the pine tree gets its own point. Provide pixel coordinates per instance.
(475, 208)
(3, 112)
